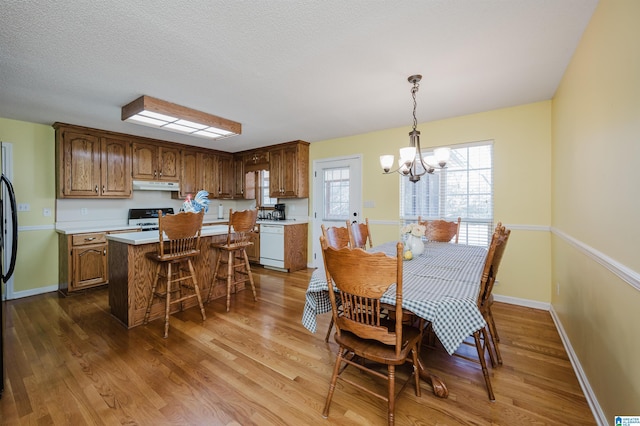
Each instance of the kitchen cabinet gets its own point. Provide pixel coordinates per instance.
(91, 164)
(190, 176)
(245, 181)
(289, 170)
(209, 173)
(226, 185)
(283, 247)
(254, 161)
(253, 252)
(83, 261)
(156, 162)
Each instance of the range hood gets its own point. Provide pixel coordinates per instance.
(148, 185)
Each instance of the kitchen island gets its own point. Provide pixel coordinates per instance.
(131, 273)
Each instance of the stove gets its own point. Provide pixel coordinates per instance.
(147, 219)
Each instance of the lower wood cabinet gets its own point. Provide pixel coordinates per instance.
(83, 261)
(253, 252)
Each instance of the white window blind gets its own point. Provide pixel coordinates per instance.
(463, 189)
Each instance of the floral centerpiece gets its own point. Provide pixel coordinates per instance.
(413, 233)
(414, 229)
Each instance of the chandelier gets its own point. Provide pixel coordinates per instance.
(411, 162)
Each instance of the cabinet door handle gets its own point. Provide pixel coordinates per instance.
(104, 252)
(90, 238)
(102, 188)
(96, 189)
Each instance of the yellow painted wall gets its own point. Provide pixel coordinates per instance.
(596, 205)
(34, 183)
(522, 184)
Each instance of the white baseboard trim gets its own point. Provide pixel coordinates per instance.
(522, 302)
(582, 377)
(33, 292)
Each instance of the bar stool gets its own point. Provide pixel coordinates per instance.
(233, 253)
(175, 254)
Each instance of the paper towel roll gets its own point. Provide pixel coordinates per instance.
(220, 212)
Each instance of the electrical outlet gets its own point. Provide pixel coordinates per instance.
(558, 288)
(84, 211)
(46, 212)
(24, 207)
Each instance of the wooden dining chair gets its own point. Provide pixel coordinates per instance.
(484, 340)
(502, 234)
(233, 265)
(336, 237)
(441, 230)
(363, 332)
(175, 254)
(360, 234)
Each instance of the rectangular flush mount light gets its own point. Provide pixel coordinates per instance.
(165, 115)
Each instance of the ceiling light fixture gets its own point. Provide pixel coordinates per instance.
(411, 162)
(165, 115)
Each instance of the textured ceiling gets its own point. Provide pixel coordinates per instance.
(285, 69)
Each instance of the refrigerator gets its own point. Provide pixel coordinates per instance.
(8, 249)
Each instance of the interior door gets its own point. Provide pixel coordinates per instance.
(337, 196)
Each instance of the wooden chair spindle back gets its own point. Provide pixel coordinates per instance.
(182, 230)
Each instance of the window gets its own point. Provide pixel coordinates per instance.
(336, 194)
(463, 189)
(265, 200)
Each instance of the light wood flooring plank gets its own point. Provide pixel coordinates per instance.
(69, 362)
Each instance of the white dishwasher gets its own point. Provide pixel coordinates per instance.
(272, 246)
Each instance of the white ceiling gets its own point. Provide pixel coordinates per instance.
(285, 69)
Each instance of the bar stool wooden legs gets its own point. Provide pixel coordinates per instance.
(236, 269)
(176, 278)
(233, 255)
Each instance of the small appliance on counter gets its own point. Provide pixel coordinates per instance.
(147, 219)
(278, 212)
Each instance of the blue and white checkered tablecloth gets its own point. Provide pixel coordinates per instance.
(441, 286)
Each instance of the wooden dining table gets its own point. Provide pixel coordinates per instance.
(441, 286)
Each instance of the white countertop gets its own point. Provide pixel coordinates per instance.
(149, 237)
(83, 227)
(95, 226)
(280, 222)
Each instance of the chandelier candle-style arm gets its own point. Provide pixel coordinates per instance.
(411, 162)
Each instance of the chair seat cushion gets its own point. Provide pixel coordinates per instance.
(377, 351)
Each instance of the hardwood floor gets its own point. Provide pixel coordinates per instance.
(68, 362)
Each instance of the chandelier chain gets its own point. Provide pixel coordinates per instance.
(414, 90)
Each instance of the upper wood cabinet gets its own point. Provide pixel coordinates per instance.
(226, 185)
(190, 182)
(200, 169)
(209, 173)
(255, 161)
(289, 170)
(156, 162)
(91, 165)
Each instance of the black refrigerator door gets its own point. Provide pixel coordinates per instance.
(5, 275)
